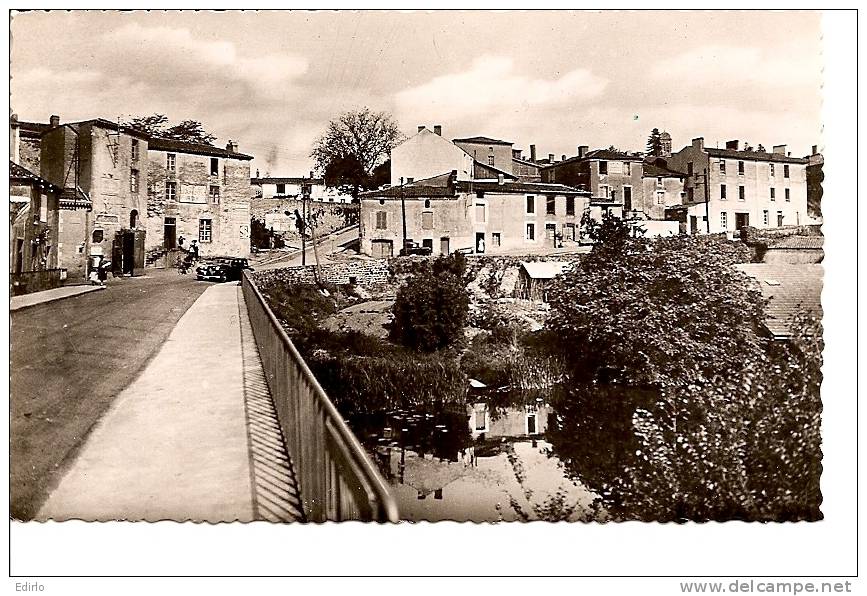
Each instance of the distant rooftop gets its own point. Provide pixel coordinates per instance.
(289, 180)
(754, 155)
(161, 144)
(791, 290)
(482, 141)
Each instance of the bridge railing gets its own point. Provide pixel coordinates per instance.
(336, 479)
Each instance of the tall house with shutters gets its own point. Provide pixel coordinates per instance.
(198, 192)
(728, 189)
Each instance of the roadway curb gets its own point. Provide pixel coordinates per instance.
(86, 290)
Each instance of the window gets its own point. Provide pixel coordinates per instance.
(765, 217)
(427, 222)
(480, 213)
(133, 218)
(722, 167)
(480, 194)
(427, 203)
(490, 160)
(531, 204)
(627, 168)
(531, 231)
(569, 231)
(171, 190)
(659, 183)
(495, 239)
(689, 168)
(381, 220)
(550, 205)
(773, 194)
(570, 205)
(98, 236)
(134, 152)
(660, 198)
(43, 208)
(785, 170)
(722, 192)
(742, 196)
(788, 195)
(603, 167)
(204, 230)
(603, 190)
(281, 189)
(724, 220)
(133, 181)
(215, 166)
(214, 192)
(740, 168)
(773, 171)
(170, 162)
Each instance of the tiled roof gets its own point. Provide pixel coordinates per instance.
(652, 170)
(602, 154)
(519, 187)
(753, 155)
(32, 129)
(161, 144)
(791, 289)
(19, 172)
(481, 168)
(259, 181)
(75, 198)
(482, 140)
(798, 242)
(525, 162)
(435, 186)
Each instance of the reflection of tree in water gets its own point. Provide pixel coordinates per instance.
(592, 435)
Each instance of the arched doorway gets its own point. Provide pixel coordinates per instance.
(133, 219)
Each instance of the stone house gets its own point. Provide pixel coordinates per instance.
(815, 177)
(100, 163)
(447, 213)
(34, 213)
(199, 192)
(290, 188)
(661, 187)
(611, 176)
(733, 188)
(490, 152)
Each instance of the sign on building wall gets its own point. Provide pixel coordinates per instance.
(191, 193)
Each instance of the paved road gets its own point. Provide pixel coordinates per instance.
(70, 359)
(324, 247)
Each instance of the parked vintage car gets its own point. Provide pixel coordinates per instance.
(222, 268)
(413, 248)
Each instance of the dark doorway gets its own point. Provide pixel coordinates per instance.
(693, 224)
(480, 242)
(19, 255)
(427, 243)
(444, 246)
(531, 424)
(627, 198)
(742, 220)
(169, 233)
(133, 219)
(123, 253)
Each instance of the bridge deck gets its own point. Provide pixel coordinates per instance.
(194, 437)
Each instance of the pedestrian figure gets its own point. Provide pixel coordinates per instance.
(194, 250)
(102, 272)
(181, 241)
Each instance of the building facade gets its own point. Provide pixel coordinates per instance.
(609, 175)
(734, 187)
(661, 187)
(483, 217)
(198, 192)
(427, 154)
(34, 214)
(104, 164)
(488, 151)
(290, 188)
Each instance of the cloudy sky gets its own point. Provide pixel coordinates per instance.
(272, 80)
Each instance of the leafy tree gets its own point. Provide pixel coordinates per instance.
(353, 145)
(431, 308)
(156, 125)
(654, 143)
(191, 131)
(713, 420)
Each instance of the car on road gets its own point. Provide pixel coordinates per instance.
(413, 248)
(222, 269)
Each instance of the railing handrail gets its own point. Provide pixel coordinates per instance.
(350, 446)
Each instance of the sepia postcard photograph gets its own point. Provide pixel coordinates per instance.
(297, 267)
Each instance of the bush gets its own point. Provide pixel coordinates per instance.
(431, 309)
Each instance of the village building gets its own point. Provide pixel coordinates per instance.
(661, 187)
(487, 151)
(427, 154)
(525, 169)
(446, 213)
(815, 177)
(198, 192)
(613, 178)
(97, 164)
(535, 277)
(728, 189)
(275, 187)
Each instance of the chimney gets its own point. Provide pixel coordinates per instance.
(550, 158)
(14, 144)
(734, 145)
(698, 143)
(582, 150)
(232, 146)
(563, 157)
(500, 179)
(421, 128)
(815, 150)
(779, 149)
(54, 120)
(438, 129)
(532, 153)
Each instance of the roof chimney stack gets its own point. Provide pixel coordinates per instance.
(815, 150)
(582, 150)
(500, 179)
(532, 153)
(550, 158)
(698, 143)
(779, 149)
(733, 145)
(438, 129)
(54, 120)
(563, 157)
(232, 146)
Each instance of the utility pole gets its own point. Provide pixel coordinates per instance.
(303, 228)
(403, 211)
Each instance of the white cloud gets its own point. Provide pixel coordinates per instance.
(491, 85)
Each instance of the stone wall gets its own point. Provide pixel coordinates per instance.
(358, 271)
(327, 217)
